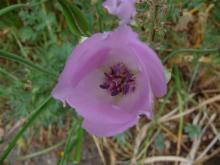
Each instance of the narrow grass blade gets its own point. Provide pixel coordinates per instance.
(19, 59)
(76, 20)
(42, 152)
(74, 141)
(176, 52)
(17, 6)
(79, 144)
(27, 124)
(9, 75)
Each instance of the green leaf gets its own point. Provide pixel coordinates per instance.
(26, 33)
(26, 125)
(76, 20)
(193, 131)
(122, 138)
(160, 142)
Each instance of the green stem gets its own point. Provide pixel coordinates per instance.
(98, 14)
(26, 125)
(49, 28)
(74, 141)
(187, 51)
(195, 73)
(23, 52)
(49, 149)
(17, 6)
(79, 144)
(181, 122)
(19, 59)
(179, 88)
(68, 142)
(152, 31)
(11, 76)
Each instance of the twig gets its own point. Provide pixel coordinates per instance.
(209, 156)
(144, 150)
(165, 159)
(99, 149)
(217, 137)
(181, 120)
(141, 135)
(211, 144)
(111, 153)
(213, 127)
(189, 111)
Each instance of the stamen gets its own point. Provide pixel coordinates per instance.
(118, 3)
(119, 80)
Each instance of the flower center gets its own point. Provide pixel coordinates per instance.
(119, 80)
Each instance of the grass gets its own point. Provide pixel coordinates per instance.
(36, 38)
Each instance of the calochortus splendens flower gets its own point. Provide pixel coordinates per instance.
(111, 79)
(124, 9)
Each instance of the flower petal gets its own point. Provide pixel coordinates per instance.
(154, 67)
(84, 58)
(136, 101)
(106, 129)
(124, 9)
(79, 83)
(148, 107)
(121, 37)
(94, 103)
(88, 97)
(111, 6)
(78, 65)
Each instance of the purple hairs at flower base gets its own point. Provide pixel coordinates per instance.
(111, 79)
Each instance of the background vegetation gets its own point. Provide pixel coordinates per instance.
(37, 36)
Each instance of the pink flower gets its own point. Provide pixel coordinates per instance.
(124, 9)
(110, 79)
